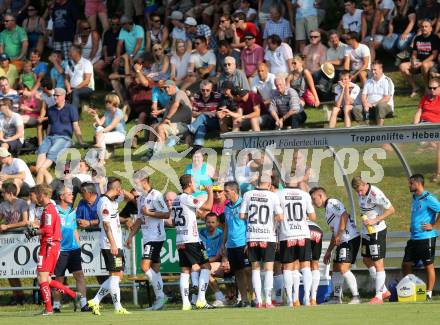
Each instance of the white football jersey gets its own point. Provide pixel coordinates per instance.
(372, 205)
(296, 205)
(334, 209)
(153, 229)
(184, 215)
(108, 212)
(261, 207)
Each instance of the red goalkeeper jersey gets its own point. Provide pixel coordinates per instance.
(50, 225)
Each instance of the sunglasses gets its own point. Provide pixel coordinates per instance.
(314, 36)
(223, 21)
(249, 38)
(433, 88)
(205, 90)
(236, 20)
(197, 43)
(227, 64)
(156, 21)
(87, 28)
(57, 95)
(157, 49)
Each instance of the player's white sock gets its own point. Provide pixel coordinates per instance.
(316, 277)
(83, 301)
(203, 283)
(102, 292)
(288, 285)
(115, 291)
(256, 284)
(296, 277)
(57, 304)
(219, 296)
(372, 271)
(156, 282)
(268, 286)
(195, 279)
(428, 294)
(337, 281)
(184, 288)
(380, 283)
(307, 282)
(278, 287)
(352, 283)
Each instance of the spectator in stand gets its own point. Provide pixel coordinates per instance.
(159, 102)
(242, 28)
(402, 27)
(373, 26)
(132, 39)
(278, 56)
(428, 10)
(204, 105)
(134, 9)
(89, 41)
(263, 83)
(158, 34)
(109, 45)
(110, 128)
(245, 7)
(30, 106)
(251, 56)
(357, 58)
(201, 64)
(65, 14)
(35, 26)
(194, 31)
(86, 213)
(233, 74)
(285, 106)
(224, 50)
(202, 172)
(428, 112)
(424, 54)
(225, 31)
(305, 20)
(352, 19)
(336, 52)
(277, 25)
(377, 97)
(95, 8)
(161, 68)
(13, 214)
(386, 7)
(176, 117)
(315, 53)
(301, 80)
(39, 68)
(15, 170)
(220, 200)
(253, 111)
(14, 41)
(178, 32)
(347, 96)
(27, 76)
(6, 92)
(63, 122)
(323, 80)
(8, 70)
(11, 127)
(80, 80)
(227, 108)
(57, 76)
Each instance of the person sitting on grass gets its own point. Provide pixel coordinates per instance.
(11, 127)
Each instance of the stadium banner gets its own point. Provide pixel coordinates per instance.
(312, 138)
(18, 256)
(169, 255)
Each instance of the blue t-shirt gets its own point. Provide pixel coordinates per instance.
(130, 38)
(68, 227)
(236, 226)
(160, 97)
(120, 127)
(60, 120)
(200, 176)
(212, 243)
(306, 9)
(88, 212)
(58, 77)
(424, 210)
(41, 67)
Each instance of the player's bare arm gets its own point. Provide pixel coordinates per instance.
(341, 230)
(133, 232)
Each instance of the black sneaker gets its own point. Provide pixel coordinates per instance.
(56, 311)
(86, 309)
(76, 301)
(148, 155)
(242, 304)
(253, 304)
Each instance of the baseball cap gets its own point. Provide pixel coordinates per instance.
(190, 21)
(177, 15)
(169, 83)
(4, 57)
(237, 91)
(4, 152)
(227, 84)
(126, 19)
(249, 35)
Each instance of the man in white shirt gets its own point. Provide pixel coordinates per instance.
(357, 58)
(16, 170)
(351, 20)
(278, 56)
(80, 81)
(377, 97)
(11, 127)
(263, 83)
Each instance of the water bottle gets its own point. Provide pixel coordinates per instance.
(370, 229)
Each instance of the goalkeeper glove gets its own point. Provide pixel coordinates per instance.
(30, 232)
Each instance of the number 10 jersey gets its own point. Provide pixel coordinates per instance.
(184, 215)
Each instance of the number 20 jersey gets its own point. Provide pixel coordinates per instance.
(296, 205)
(184, 216)
(261, 207)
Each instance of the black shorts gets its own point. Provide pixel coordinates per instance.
(296, 251)
(152, 251)
(316, 242)
(420, 250)
(375, 246)
(347, 252)
(113, 263)
(262, 253)
(191, 254)
(69, 260)
(238, 259)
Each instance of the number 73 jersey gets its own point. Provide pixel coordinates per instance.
(296, 205)
(184, 215)
(261, 206)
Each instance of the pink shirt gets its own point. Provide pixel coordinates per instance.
(218, 209)
(251, 58)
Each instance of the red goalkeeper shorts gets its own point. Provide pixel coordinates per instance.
(48, 257)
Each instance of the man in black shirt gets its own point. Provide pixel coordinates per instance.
(424, 55)
(227, 108)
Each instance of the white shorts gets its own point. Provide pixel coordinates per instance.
(114, 137)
